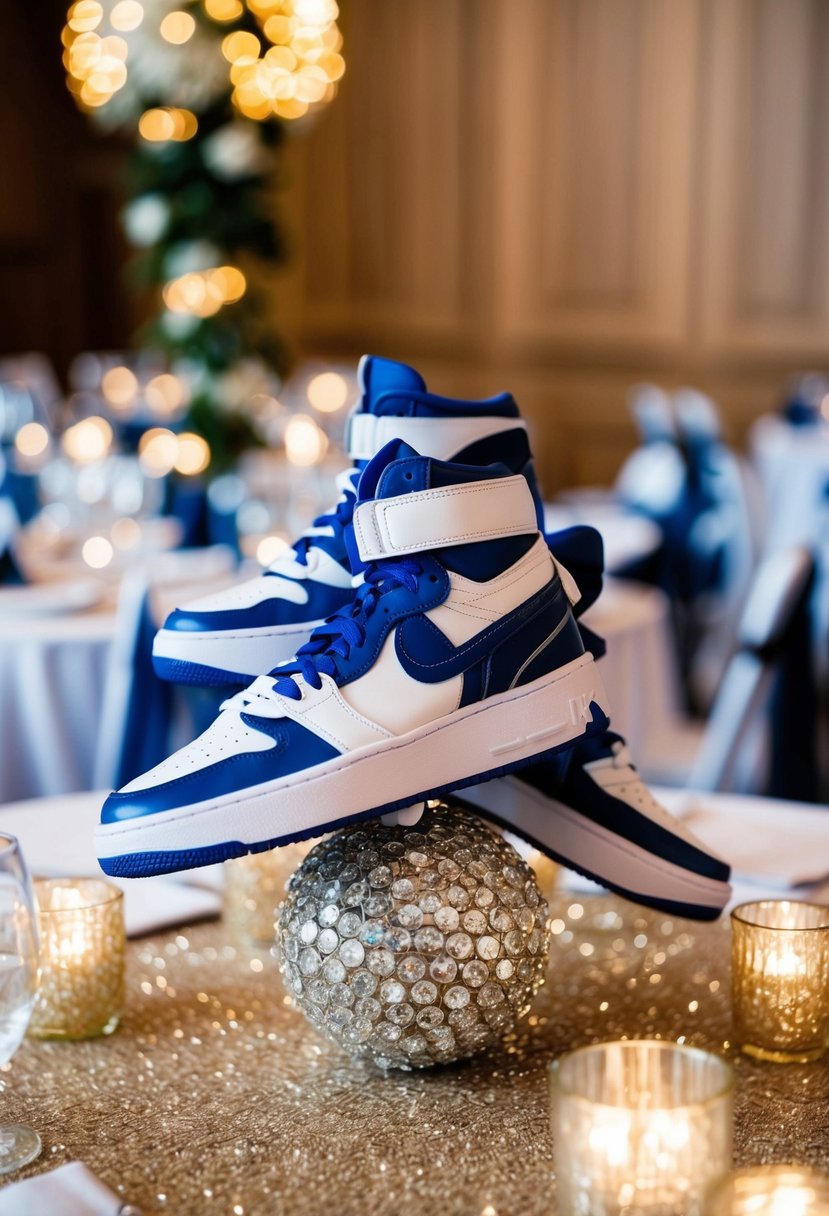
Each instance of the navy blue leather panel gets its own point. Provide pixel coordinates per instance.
(427, 655)
(565, 779)
(507, 661)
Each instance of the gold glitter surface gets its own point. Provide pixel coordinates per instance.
(216, 1096)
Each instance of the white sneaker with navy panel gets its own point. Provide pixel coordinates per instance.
(458, 659)
(235, 635)
(588, 807)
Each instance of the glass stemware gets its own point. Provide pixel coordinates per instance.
(18, 985)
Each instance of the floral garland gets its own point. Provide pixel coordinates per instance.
(207, 88)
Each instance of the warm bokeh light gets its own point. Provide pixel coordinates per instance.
(88, 440)
(95, 64)
(193, 454)
(202, 293)
(167, 122)
(84, 16)
(298, 70)
(166, 394)
(119, 387)
(328, 392)
(178, 27)
(291, 67)
(241, 46)
(97, 552)
(127, 15)
(125, 533)
(305, 442)
(157, 451)
(32, 439)
(270, 548)
(224, 10)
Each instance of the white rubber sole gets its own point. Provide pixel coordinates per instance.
(250, 652)
(592, 849)
(467, 745)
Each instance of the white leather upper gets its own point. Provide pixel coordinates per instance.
(617, 776)
(395, 700)
(226, 736)
(471, 606)
(440, 438)
(448, 515)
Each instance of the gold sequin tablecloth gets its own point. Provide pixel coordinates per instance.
(216, 1096)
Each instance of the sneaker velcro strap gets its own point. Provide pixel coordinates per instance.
(449, 515)
(440, 438)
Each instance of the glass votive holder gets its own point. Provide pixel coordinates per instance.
(82, 947)
(780, 979)
(773, 1190)
(640, 1127)
(254, 887)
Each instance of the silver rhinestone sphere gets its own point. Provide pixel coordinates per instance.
(414, 946)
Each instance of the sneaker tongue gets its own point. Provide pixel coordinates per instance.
(394, 450)
(379, 376)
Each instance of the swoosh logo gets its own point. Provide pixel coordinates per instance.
(427, 655)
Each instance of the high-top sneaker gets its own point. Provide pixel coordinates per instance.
(458, 659)
(230, 637)
(588, 808)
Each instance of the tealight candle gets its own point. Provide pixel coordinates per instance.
(81, 958)
(640, 1128)
(780, 979)
(773, 1190)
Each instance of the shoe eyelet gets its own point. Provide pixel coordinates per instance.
(408, 476)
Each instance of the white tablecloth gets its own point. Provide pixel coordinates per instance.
(52, 675)
(639, 669)
(54, 668)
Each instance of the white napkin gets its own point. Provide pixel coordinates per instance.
(56, 835)
(70, 1190)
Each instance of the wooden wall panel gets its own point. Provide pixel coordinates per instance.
(765, 241)
(597, 137)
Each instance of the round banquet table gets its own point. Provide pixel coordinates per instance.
(215, 1096)
(52, 677)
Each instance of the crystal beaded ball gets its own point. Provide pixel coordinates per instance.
(414, 946)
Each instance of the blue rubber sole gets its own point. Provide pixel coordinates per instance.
(180, 671)
(145, 865)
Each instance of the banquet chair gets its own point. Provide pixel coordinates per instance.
(773, 624)
(144, 719)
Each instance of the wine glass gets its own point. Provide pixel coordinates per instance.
(18, 985)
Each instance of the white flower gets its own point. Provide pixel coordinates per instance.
(145, 219)
(234, 150)
(178, 324)
(189, 256)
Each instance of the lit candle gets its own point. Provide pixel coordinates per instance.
(773, 1190)
(81, 958)
(640, 1127)
(780, 979)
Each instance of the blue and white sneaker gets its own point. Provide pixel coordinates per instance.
(230, 637)
(588, 808)
(458, 659)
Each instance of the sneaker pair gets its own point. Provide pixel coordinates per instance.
(456, 661)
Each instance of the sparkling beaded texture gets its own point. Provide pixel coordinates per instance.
(414, 946)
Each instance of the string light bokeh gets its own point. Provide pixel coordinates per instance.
(289, 66)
